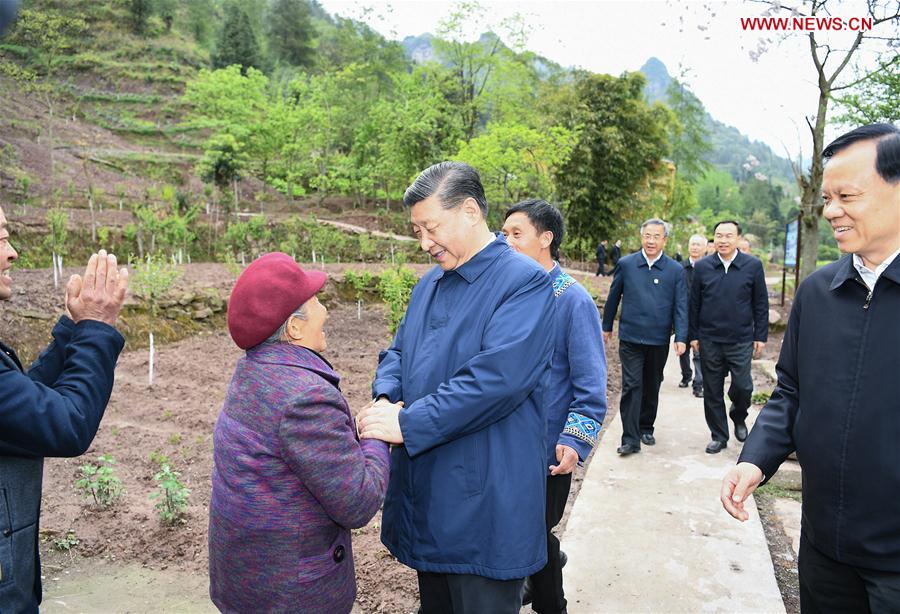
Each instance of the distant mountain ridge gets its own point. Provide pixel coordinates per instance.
(730, 147)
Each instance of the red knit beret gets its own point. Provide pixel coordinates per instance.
(265, 294)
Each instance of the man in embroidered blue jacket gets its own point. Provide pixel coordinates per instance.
(576, 393)
(470, 361)
(53, 409)
(653, 293)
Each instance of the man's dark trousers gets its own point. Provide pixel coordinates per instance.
(716, 360)
(546, 585)
(447, 593)
(642, 375)
(685, 362)
(827, 585)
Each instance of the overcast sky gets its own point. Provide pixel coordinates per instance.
(766, 98)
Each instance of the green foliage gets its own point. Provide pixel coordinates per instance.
(761, 397)
(875, 99)
(828, 253)
(395, 286)
(222, 162)
(57, 224)
(290, 32)
(158, 458)
(619, 152)
(237, 40)
(49, 32)
(249, 237)
(67, 542)
(100, 481)
(151, 279)
(140, 11)
(172, 496)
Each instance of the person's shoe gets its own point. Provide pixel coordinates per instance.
(684, 383)
(563, 559)
(740, 430)
(698, 393)
(715, 447)
(628, 448)
(648, 439)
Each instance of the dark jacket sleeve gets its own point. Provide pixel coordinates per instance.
(760, 305)
(49, 365)
(37, 419)
(516, 351)
(389, 372)
(694, 304)
(681, 308)
(771, 439)
(612, 299)
(319, 443)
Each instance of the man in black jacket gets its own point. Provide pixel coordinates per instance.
(836, 400)
(601, 258)
(696, 251)
(729, 324)
(52, 409)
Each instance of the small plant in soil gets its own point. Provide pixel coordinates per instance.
(100, 481)
(172, 496)
(153, 277)
(66, 543)
(395, 286)
(158, 458)
(761, 397)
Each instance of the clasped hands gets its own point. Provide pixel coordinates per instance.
(380, 419)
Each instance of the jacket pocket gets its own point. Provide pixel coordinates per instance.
(338, 556)
(473, 462)
(6, 535)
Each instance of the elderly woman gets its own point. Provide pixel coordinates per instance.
(291, 477)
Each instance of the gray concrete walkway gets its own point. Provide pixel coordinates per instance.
(647, 532)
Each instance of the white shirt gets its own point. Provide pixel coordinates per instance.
(650, 263)
(868, 275)
(727, 263)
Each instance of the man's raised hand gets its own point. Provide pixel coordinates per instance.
(101, 293)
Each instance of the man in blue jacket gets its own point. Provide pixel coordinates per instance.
(53, 409)
(836, 400)
(653, 293)
(729, 324)
(576, 392)
(470, 361)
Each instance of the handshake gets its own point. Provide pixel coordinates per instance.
(380, 419)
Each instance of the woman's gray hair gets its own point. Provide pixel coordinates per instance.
(655, 221)
(276, 337)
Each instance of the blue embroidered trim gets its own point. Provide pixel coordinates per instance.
(563, 281)
(582, 427)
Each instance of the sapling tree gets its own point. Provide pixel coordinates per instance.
(57, 224)
(153, 277)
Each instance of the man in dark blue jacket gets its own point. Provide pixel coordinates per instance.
(836, 400)
(729, 324)
(470, 361)
(653, 293)
(53, 409)
(601, 258)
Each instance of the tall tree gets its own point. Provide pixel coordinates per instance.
(875, 99)
(290, 32)
(237, 42)
(622, 144)
(830, 62)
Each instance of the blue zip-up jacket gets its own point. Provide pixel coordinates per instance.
(471, 360)
(576, 393)
(729, 307)
(837, 404)
(653, 301)
(53, 410)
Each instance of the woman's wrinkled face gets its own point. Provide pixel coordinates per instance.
(310, 333)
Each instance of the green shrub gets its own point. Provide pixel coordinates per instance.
(172, 496)
(100, 481)
(395, 287)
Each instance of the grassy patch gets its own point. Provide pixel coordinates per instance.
(775, 490)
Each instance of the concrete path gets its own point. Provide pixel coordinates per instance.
(647, 532)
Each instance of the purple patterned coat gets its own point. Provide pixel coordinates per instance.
(290, 479)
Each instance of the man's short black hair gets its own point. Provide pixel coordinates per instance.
(887, 151)
(736, 225)
(452, 182)
(544, 217)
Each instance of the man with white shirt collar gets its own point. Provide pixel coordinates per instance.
(653, 293)
(729, 325)
(835, 402)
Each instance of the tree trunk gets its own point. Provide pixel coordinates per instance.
(811, 197)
